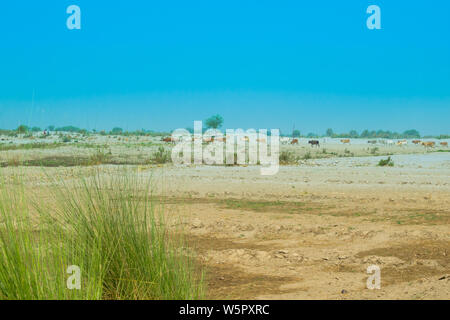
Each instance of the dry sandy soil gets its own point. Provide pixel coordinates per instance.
(310, 231)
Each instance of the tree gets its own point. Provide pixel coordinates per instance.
(68, 129)
(411, 133)
(116, 130)
(353, 134)
(214, 122)
(51, 128)
(22, 129)
(329, 132)
(35, 129)
(365, 134)
(296, 134)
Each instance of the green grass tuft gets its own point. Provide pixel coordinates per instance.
(386, 162)
(108, 226)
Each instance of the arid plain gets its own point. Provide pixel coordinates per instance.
(308, 232)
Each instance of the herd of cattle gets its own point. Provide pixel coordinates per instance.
(405, 142)
(316, 143)
(386, 142)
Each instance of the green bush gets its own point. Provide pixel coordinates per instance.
(386, 162)
(99, 157)
(162, 156)
(287, 157)
(307, 156)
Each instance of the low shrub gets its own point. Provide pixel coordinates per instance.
(386, 162)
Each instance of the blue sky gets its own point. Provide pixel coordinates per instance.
(261, 64)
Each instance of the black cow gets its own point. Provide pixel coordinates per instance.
(314, 143)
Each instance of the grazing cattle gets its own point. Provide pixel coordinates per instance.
(372, 141)
(221, 139)
(196, 138)
(428, 144)
(444, 144)
(416, 141)
(401, 143)
(294, 141)
(167, 139)
(314, 143)
(208, 139)
(345, 140)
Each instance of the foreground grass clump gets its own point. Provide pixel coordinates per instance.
(99, 157)
(162, 156)
(288, 157)
(108, 227)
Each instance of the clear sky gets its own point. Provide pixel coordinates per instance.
(260, 64)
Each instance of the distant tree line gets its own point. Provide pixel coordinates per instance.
(23, 129)
(366, 134)
(408, 134)
(216, 122)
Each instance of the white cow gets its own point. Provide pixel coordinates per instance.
(285, 140)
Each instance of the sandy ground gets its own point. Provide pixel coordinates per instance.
(310, 231)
